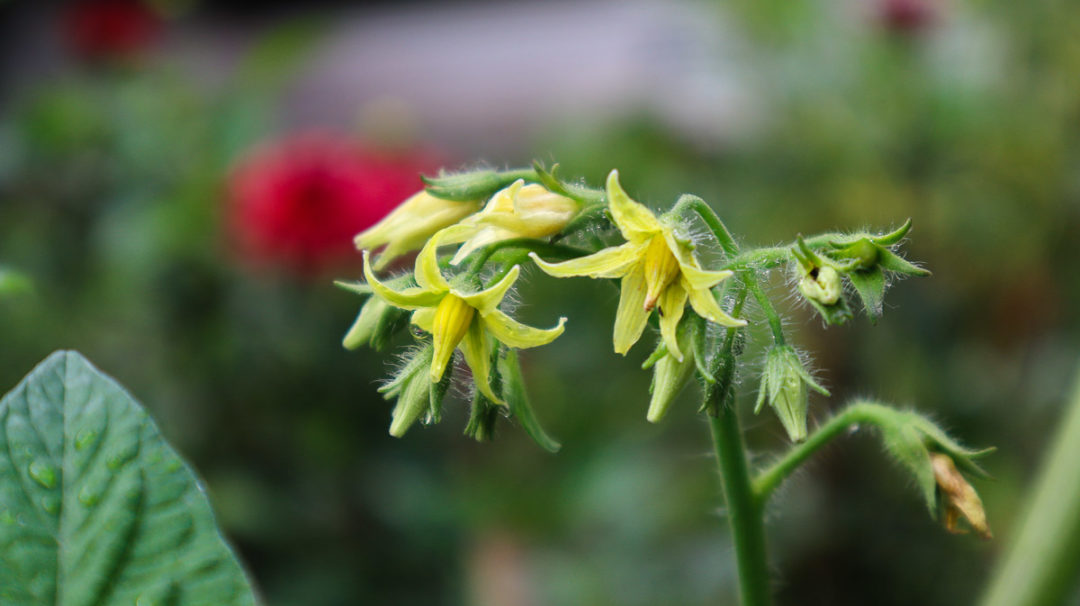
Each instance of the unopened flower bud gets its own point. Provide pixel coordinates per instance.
(411, 224)
(670, 375)
(416, 394)
(783, 386)
(519, 211)
(958, 498)
(822, 285)
(373, 325)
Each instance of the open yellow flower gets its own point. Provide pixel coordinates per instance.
(409, 225)
(657, 269)
(517, 211)
(460, 320)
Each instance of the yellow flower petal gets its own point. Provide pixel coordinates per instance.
(698, 278)
(631, 317)
(633, 219)
(611, 262)
(409, 298)
(427, 271)
(487, 300)
(518, 335)
(451, 322)
(409, 225)
(672, 305)
(477, 349)
(704, 303)
(424, 319)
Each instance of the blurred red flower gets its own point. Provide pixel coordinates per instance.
(100, 29)
(300, 201)
(907, 16)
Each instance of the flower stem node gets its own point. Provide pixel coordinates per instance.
(460, 320)
(658, 271)
(783, 386)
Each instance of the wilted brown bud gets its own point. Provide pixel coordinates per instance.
(959, 498)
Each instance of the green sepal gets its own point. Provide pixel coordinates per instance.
(359, 288)
(516, 396)
(469, 186)
(699, 332)
(590, 218)
(870, 284)
(890, 261)
(833, 315)
(910, 438)
(893, 237)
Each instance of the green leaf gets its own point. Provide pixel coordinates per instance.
(96, 509)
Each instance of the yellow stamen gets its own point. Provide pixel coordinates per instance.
(661, 269)
(452, 319)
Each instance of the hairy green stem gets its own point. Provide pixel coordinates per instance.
(859, 412)
(744, 510)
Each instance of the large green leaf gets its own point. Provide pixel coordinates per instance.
(95, 508)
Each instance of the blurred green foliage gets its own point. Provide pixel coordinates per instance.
(111, 187)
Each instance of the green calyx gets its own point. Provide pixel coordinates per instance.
(783, 385)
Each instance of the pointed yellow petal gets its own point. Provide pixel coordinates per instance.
(633, 219)
(484, 235)
(424, 319)
(699, 278)
(704, 303)
(450, 323)
(518, 335)
(631, 317)
(409, 298)
(477, 349)
(427, 271)
(672, 304)
(487, 300)
(611, 262)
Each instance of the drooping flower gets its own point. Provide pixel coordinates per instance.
(411, 224)
(300, 201)
(459, 319)
(960, 499)
(658, 270)
(518, 211)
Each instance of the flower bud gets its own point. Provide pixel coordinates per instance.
(822, 285)
(417, 395)
(670, 375)
(783, 385)
(519, 211)
(374, 325)
(411, 224)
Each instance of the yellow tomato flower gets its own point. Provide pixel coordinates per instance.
(657, 269)
(518, 211)
(409, 225)
(460, 320)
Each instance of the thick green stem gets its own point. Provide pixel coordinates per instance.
(745, 512)
(859, 412)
